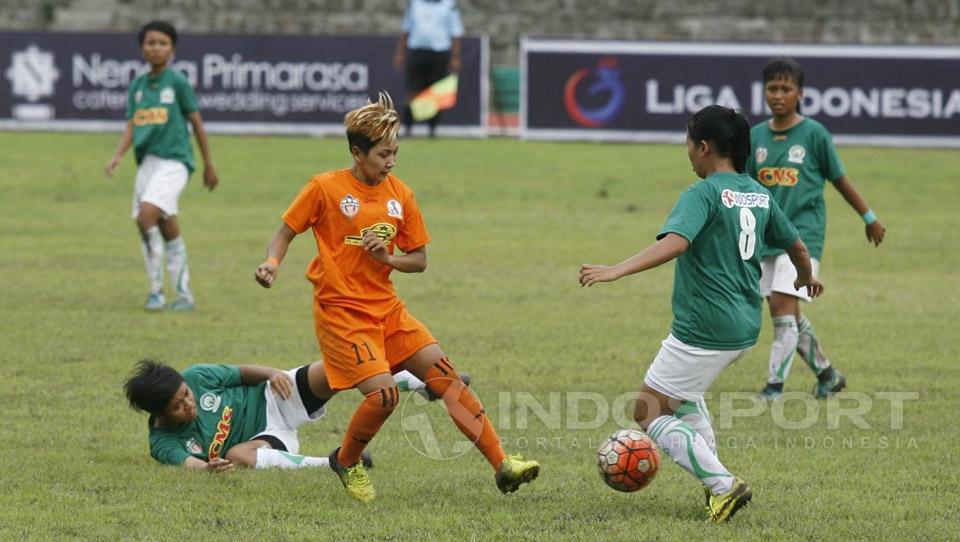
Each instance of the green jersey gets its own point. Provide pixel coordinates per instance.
(729, 220)
(794, 165)
(159, 107)
(228, 413)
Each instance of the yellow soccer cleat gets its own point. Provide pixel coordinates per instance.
(723, 507)
(516, 470)
(354, 479)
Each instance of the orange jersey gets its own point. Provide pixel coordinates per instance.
(340, 209)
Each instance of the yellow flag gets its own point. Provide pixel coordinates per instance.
(435, 98)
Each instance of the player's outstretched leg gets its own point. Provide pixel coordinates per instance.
(469, 416)
(151, 244)
(829, 379)
(379, 401)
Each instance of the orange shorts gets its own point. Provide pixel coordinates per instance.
(357, 346)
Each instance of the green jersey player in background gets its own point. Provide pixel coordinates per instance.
(213, 417)
(793, 156)
(717, 231)
(160, 103)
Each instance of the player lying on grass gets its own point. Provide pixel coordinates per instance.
(367, 223)
(717, 231)
(214, 417)
(793, 156)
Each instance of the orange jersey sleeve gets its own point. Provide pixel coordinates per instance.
(413, 232)
(306, 208)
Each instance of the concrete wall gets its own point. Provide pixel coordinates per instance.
(811, 21)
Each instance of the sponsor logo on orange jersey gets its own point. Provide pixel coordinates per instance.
(150, 115)
(386, 232)
(772, 176)
(223, 431)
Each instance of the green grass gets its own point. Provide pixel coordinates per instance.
(511, 223)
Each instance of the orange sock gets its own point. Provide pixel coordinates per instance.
(465, 410)
(366, 421)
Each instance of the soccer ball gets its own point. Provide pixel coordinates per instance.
(628, 460)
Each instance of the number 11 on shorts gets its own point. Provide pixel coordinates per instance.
(359, 353)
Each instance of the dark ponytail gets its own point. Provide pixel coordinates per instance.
(727, 130)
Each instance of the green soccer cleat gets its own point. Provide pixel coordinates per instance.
(516, 470)
(183, 304)
(723, 507)
(771, 392)
(832, 382)
(155, 302)
(354, 478)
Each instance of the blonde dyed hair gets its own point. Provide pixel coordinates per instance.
(375, 122)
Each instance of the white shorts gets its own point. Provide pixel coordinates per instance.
(777, 274)
(159, 182)
(285, 416)
(686, 372)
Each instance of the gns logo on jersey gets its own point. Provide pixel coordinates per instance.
(731, 199)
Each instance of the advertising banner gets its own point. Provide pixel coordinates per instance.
(244, 83)
(645, 91)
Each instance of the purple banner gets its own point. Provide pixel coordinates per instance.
(646, 91)
(249, 83)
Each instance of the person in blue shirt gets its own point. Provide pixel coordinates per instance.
(428, 50)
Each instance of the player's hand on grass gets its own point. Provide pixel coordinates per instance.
(114, 163)
(875, 233)
(219, 464)
(281, 384)
(592, 274)
(813, 284)
(266, 273)
(210, 179)
(376, 248)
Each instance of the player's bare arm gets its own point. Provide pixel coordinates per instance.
(800, 258)
(210, 179)
(266, 272)
(659, 253)
(875, 230)
(414, 261)
(126, 139)
(280, 382)
(215, 465)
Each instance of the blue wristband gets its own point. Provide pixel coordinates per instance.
(869, 217)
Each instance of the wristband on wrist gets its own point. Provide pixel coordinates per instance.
(869, 217)
(273, 261)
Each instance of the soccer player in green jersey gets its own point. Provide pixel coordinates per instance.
(716, 232)
(159, 105)
(793, 156)
(214, 417)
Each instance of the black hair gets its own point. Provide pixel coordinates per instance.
(360, 141)
(159, 26)
(151, 385)
(727, 130)
(783, 68)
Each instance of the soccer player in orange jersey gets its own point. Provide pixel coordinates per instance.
(360, 217)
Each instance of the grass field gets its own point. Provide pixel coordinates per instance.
(511, 223)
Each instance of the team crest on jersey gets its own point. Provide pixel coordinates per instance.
(193, 446)
(761, 154)
(349, 206)
(796, 154)
(167, 96)
(394, 209)
(209, 402)
(137, 96)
